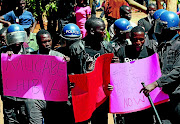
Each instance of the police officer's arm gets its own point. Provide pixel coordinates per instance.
(174, 75)
(147, 89)
(169, 78)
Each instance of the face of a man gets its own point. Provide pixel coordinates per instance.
(151, 10)
(126, 13)
(15, 47)
(22, 4)
(46, 41)
(138, 40)
(99, 32)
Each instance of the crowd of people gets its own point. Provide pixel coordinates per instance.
(81, 44)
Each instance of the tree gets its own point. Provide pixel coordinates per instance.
(44, 7)
(35, 7)
(51, 14)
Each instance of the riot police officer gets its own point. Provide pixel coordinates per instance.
(169, 54)
(14, 107)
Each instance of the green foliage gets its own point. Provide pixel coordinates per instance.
(51, 7)
(46, 7)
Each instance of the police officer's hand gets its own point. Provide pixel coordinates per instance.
(147, 89)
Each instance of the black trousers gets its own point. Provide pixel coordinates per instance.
(14, 112)
(139, 117)
(175, 109)
(170, 112)
(100, 115)
(58, 112)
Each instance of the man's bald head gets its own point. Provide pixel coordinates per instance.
(125, 12)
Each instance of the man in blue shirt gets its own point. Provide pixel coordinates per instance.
(19, 16)
(25, 19)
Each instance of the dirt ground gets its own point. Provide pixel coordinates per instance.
(135, 17)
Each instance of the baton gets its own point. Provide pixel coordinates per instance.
(152, 104)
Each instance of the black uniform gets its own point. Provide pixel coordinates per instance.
(169, 54)
(83, 59)
(127, 53)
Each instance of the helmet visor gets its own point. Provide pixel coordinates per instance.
(71, 37)
(16, 37)
(159, 26)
